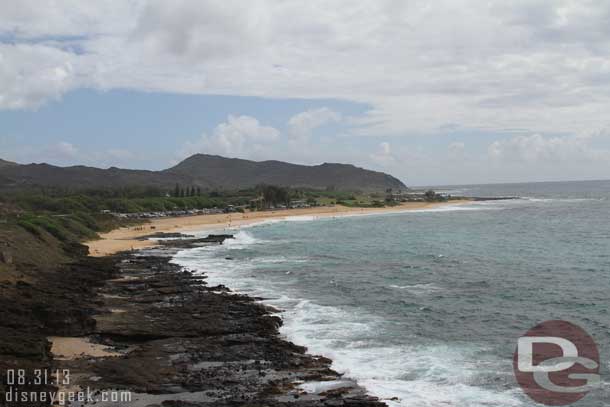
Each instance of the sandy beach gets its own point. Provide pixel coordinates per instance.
(128, 238)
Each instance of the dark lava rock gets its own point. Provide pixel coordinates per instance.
(174, 340)
(186, 243)
(165, 235)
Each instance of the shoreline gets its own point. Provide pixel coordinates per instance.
(161, 334)
(133, 238)
(148, 308)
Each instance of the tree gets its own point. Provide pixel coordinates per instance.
(430, 195)
(273, 195)
(177, 191)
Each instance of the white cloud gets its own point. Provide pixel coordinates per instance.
(537, 66)
(536, 148)
(542, 66)
(239, 136)
(203, 30)
(63, 151)
(302, 124)
(32, 74)
(383, 157)
(246, 137)
(385, 148)
(119, 154)
(33, 19)
(456, 150)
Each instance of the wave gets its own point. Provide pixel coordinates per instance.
(242, 239)
(418, 289)
(474, 206)
(401, 375)
(398, 373)
(458, 192)
(532, 199)
(449, 208)
(279, 259)
(300, 218)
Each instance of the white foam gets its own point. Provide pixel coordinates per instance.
(459, 191)
(423, 393)
(400, 374)
(440, 209)
(531, 199)
(320, 387)
(466, 207)
(279, 259)
(242, 239)
(418, 289)
(417, 376)
(473, 206)
(300, 218)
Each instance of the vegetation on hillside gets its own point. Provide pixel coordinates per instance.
(134, 200)
(125, 200)
(70, 216)
(45, 220)
(205, 171)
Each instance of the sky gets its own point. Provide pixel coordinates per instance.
(434, 93)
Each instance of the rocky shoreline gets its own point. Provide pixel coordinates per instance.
(159, 332)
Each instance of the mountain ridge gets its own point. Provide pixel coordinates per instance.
(5, 163)
(202, 170)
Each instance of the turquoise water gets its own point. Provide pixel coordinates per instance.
(427, 306)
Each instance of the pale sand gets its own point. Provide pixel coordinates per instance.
(66, 348)
(123, 239)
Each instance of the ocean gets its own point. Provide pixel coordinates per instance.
(425, 307)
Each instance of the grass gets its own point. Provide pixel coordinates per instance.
(30, 246)
(30, 227)
(326, 201)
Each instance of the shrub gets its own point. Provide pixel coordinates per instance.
(86, 219)
(51, 227)
(76, 228)
(30, 227)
